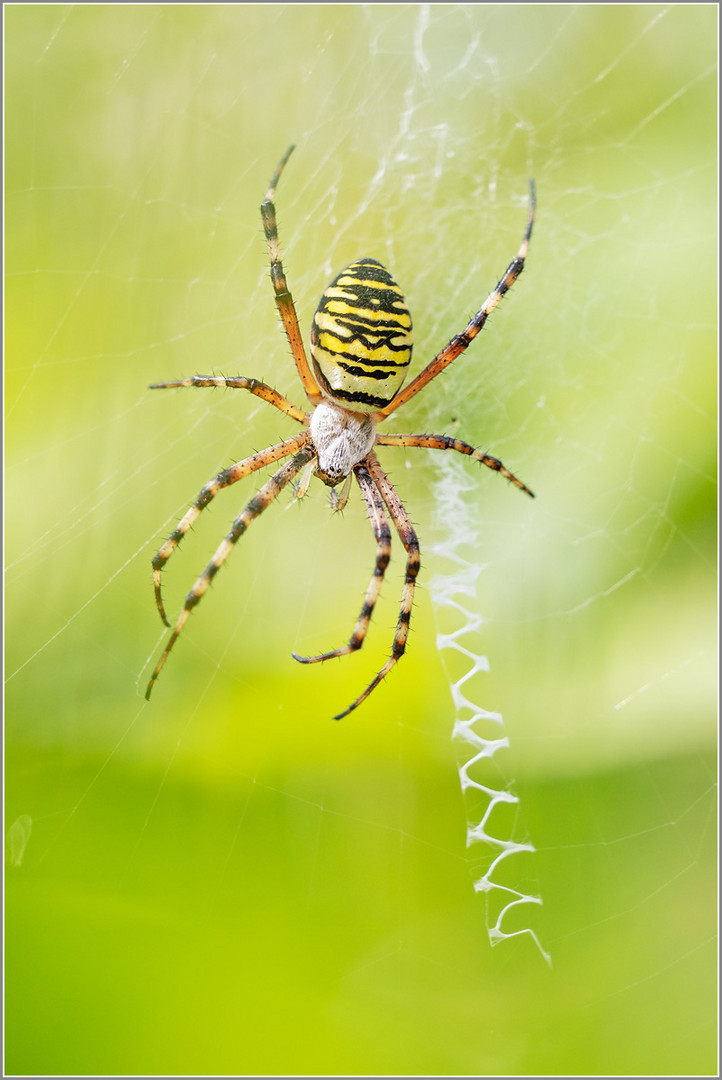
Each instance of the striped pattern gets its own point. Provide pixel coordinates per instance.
(361, 338)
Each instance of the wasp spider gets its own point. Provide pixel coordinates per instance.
(361, 340)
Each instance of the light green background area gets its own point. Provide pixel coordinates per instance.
(224, 880)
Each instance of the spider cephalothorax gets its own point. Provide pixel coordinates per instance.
(341, 439)
(361, 342)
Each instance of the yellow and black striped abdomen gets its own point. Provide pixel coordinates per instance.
(361, 338)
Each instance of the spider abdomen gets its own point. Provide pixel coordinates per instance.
(361, 338)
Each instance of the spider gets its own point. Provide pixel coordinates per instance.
(361, 341)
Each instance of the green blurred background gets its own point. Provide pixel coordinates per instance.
(225, 880)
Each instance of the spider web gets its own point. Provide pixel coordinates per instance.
(478, 731)
(317, 879)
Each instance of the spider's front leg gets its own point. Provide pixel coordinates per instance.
(284, 300)
(461, 341)
(239, 382)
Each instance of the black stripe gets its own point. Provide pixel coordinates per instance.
(364, 297)
(364, 313)
(395, 365)
(383, 340)
(346, 395)
(362, 372)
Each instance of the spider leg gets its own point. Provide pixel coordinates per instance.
(413, 563)
(284, 300)
(382, 532)
(263, 498)
(209, 491)
(462, 341)
(445, 442)
(239, 382)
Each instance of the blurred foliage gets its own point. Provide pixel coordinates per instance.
(225, 881)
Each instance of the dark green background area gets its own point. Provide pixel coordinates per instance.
(224, 880)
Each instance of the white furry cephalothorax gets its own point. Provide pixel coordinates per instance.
(342, 439)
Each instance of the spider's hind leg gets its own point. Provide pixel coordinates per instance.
(410, 541)
(260, 501)
(382, 532)
(224, 479)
